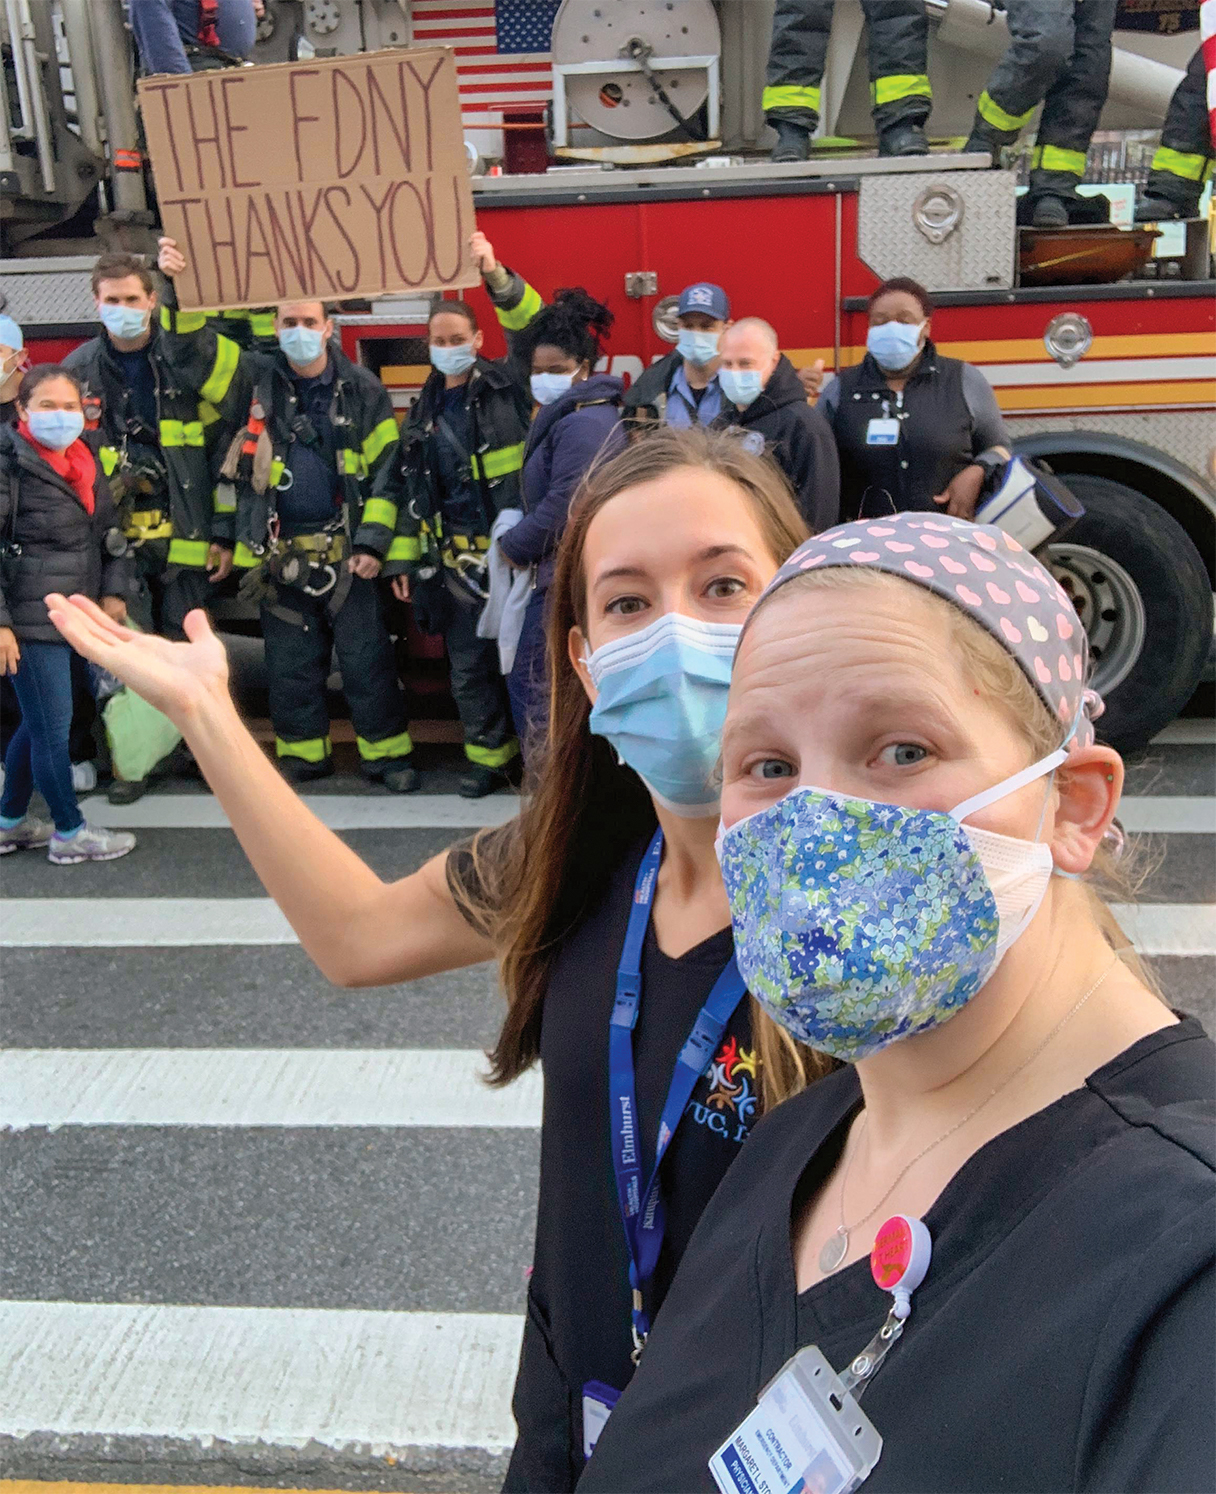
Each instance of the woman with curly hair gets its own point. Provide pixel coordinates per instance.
(578, 416)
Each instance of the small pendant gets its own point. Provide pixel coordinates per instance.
(835, 1248)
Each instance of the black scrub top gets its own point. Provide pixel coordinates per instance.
(578, 1310)
(1062, 1340)
(947, 415)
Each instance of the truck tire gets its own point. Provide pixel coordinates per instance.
(1141, 589)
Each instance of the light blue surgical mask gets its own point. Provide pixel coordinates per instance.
(124, 322)
(661, 701)
(453, 361)
(698, 347)
(741, 386)
(56, 429)
(546, 387)
(303, 345)
(894, 344)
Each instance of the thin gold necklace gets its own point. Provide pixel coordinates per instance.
(836, 1246)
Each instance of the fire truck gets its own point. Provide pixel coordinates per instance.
(648, 169)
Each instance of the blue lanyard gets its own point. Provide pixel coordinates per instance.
(642, 1210)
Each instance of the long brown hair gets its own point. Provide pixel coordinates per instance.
(586, 811)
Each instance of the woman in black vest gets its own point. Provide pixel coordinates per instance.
(915, 430)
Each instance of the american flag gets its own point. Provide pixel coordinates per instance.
(502, 52)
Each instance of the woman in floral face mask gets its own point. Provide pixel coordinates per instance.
(913, 802)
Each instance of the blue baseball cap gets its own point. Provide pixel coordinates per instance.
(708, 299)
(10, 334)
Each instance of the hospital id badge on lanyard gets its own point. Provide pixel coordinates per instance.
(807, 1434)
(883, 430)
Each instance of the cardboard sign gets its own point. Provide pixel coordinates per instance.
(343, 176)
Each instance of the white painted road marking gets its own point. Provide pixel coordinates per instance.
(338, 811)
(1184, 815)
(1198, 731)
(259, 1087)
(160, 922)
(282, 1376)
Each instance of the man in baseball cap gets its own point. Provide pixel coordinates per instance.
(682, 388)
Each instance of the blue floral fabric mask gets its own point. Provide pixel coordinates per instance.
(858, 923)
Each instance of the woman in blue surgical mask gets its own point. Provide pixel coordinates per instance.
(994, 1222)
(668, 547)
(915, 430)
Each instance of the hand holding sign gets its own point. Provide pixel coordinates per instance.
(342, 176)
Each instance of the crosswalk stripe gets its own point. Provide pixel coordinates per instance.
(338, 811)
(145, 922)
(1183, 815)
(1191, 732)
(279, 1376)
(259, 1087)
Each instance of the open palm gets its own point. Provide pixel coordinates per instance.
(174, 677)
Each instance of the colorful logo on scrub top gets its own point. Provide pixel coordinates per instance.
(730, 1106)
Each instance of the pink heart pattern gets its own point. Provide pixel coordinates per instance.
(939, 553)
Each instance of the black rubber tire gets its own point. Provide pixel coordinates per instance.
(1168, 571)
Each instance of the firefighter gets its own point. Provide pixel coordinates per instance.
(456, 469)
(176, 36)
(313, 540)
(683, 387)
(251, 328)
(166, 393)
(1059, 56)
(1182, 164)
(899, 74)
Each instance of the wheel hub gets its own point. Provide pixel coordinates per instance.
(1110, 606)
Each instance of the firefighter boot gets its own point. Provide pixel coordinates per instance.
(903, 140)
(980, 144)
(126, 790)
(793, 141)
(1050, 211)
(1161, 210)
(299, 770)
(397, 774)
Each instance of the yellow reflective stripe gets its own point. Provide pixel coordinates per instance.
(261, 323)
(790, 96)
(244, 557)
(499, 462)
(224, 499)
(999, 118)
(207, 413)
(404, 547)
(138, 527)
(1180, 163)
(277, 467)
(227, 356)
(109, 460)
(182, 321)
(519, 316)
(899, 86)
(188, 552)
(382, 436)
(492, 757)
(351, 463)
(372, 752)
(181, 433)
(1055, 158)
(313, 750)
(380, 511)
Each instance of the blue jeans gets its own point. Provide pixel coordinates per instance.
(38, 753)
(528, 682)
(163, 28)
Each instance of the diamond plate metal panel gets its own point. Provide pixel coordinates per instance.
(1187, 435)
(977, 255)
(42, 292)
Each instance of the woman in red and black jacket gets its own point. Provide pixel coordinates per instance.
(58, 533)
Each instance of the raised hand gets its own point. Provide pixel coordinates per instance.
(174, 677)
(483, 253)
(170, 260)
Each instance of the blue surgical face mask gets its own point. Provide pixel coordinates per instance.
(124, 322)
(894, 344)
(454, 360)
(858, 923)
(661, 701)
(303, 345)
(56, 429)
(741, 385)
(698, 347)
(546, 387)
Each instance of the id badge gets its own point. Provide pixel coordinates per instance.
(882, 432)
(807, 1435)
(598, 1401)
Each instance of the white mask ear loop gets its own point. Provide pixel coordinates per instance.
(1009, 786)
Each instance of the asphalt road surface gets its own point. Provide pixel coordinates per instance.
(257, 1229)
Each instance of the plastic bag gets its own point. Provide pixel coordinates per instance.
(139, 735)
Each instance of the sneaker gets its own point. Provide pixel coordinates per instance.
(84, 777)
(397, 774)
(126, 790)
(296, 770)
(25, 836)
(90, 843)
